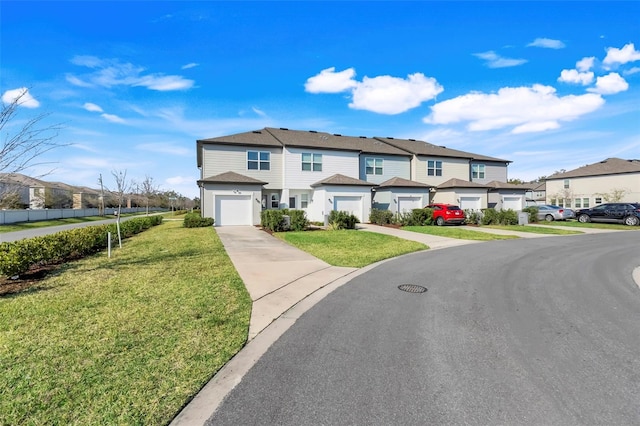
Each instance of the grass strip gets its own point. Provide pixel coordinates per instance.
(126, 340)
(350, 248)
(596, 225)
(462, 233)
(535, 229)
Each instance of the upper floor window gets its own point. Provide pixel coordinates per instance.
(434, 168)
(477, 171)
(566, 183)
(373, 166)
(311, 162)
(258, 160)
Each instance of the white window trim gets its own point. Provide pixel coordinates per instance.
(311, 163)
(478, 171)
(435, 167)
(374, 167)
(259, 161)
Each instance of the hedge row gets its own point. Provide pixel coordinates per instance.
(19, 256)
(194, 220)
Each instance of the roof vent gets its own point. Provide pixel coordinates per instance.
(364, 137)
(337, 134)
(313, 131)
(389, 137)
(442, 146)
(413, 140)
(283, 128)
(257, 132)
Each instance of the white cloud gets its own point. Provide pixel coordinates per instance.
(92, 107)
(525, 109)
(547, 43)
(259, 112)
(191, 65)
(180, 180)
(165, 148)
(26, 100)
(111, 72)
(633, 70)
(585, 64)
(621, 56)
(383, 94)
(112, 118)
(573, 76)
(393, 95)
(329, 81)
(493, 60)
(610, 84)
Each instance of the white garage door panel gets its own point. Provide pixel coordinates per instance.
(233, 210)
(470, 203)
(407, 204)
(352, 204)
(513, 203)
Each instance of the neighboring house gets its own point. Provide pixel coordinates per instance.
(537, 194)
(319, 172)
(613, 179)
(467, 195)
(507, 196)
(15, 183)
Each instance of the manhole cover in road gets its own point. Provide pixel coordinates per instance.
(411, 288)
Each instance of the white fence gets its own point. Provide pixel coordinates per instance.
(14, 216)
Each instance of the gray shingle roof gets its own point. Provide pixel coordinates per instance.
(339, 179)
(459, 183)
(231, 177)
(256, 137)
(505, 185)
(398, 182)
(322, 140)
(425, 148)
(610, 166)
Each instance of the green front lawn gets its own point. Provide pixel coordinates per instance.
(460, 232)
(576, 224)
(534, 229)
(126, 340)
(349, 247)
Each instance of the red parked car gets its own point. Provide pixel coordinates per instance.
(447, 213)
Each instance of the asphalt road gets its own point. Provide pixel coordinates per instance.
(542, 331)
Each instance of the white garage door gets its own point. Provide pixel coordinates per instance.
(513, 203)
(233, 210)
(470, 203)
(351, 204)
(406, 204)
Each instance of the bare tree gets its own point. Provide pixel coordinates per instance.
(22, 146)
(122, 187)
(147, 189)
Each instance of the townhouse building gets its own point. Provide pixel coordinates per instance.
(242, 174)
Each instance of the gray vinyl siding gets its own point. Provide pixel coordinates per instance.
(219, 159)
(451, 168)
(392, 166)
(492, 171)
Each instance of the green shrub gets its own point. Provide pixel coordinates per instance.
(473, 216)
(194, 220)
(272, 220)
(342, 220)
(489, 216)
(19, 256)
(502, 217)
(380, 217)
(299, 220)
(533, 213)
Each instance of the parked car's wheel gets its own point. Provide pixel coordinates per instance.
(440, 221)
(549, 218)
(631, 220)
(584, 218)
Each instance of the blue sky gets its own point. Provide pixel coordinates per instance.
(546, 85)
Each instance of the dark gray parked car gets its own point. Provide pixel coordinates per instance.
(627, 213)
